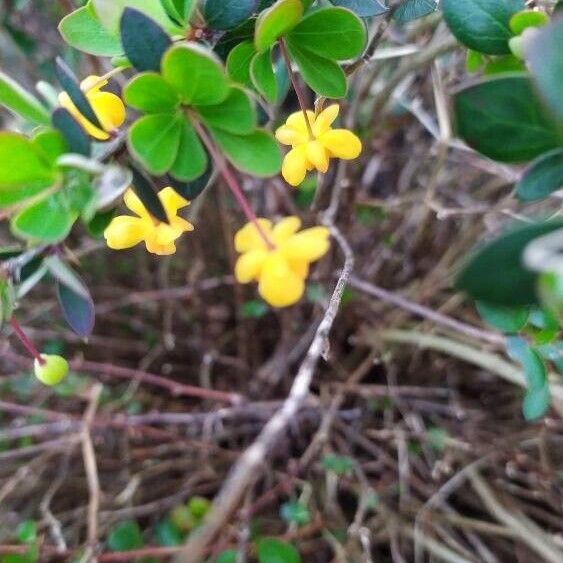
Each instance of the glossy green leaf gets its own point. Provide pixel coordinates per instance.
(263, 76)
(62, 272)
(363, 8)
(50, 143)
(542, 178)
(109, 13)
(482, 25)
(82, 30)
(324, 76)
(238, 62)
(191, 161)
(410, 10)
(143, 40)
(21, 102)
(71, 86)
(527, 18)
(536, 403)
(544, 55)
(257, 154)
(75, 136)
(196, 74)
(504, 64)
(168, 535)
(191, 190)
(333, 33)
(272, 550)
(276, 21)
(180, 10)
(506, 319)
(501, 119)
(235, 114)
(77, 309)
(226, 14)
(125, 537)
(49, 220)
(495, 273)
(150, 93)
(154, 141)
(23, 171)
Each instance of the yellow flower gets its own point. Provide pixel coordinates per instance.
(314, 152)
(108, 107)
(280, 272)
(126, 231)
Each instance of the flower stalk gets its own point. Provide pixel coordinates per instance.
(24, 339)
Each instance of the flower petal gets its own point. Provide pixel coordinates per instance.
(125, 232)
(181, 225)
(308, 245)
(318, 155)
(92, 83)
(342, 143)
(249, 265)
(325, 119)
(109, 109)
(285, 228)
(294, 168)
(132, 201)
(297, 121)
(290, 136)
(248, 238)
(279, 285)
(300, 268)
(172, 201)
(88, 126)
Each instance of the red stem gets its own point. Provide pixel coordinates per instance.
(232, 183)
(296, 87)
(28, 344)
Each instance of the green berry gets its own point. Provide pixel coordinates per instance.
(199, 507)
(182, 518)
(52, 371)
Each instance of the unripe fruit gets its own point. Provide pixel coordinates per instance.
(182, 518)
(52, 371)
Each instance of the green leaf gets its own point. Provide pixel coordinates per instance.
(71, 86)
(263, 77)
(50, 143)
(193, 189)
(143, 40)
(363, 8)
(77, 309)
(543, 55)
(271, 550)
(276, 21)
(27, 173)
(49, 220)
(506, 319)
(410, 10)
(109, 13)
(191, 161)
(238, 62)
(482, 25)
(82, 30)
(324, 76)
(295, 513)
(333, 33)
(228, 556)
(180, 10)
(257, 154)
(226, 14)
(536, 403)
(19, 101)
(7, 300)
(150, 93)
(196, 74)
(494, 273)
(474, 60)
(341, 465)
(254, 309)
(154, 141)
(527, 18)
(504, 63)
(27, 532)
(74, 135)
(145, 190)
(125, 537)
(501, 119)
(542, 178)
(235, 114)
(168, 535)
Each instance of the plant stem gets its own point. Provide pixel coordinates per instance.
(28, 344)
(231, 181)
(296, 87)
